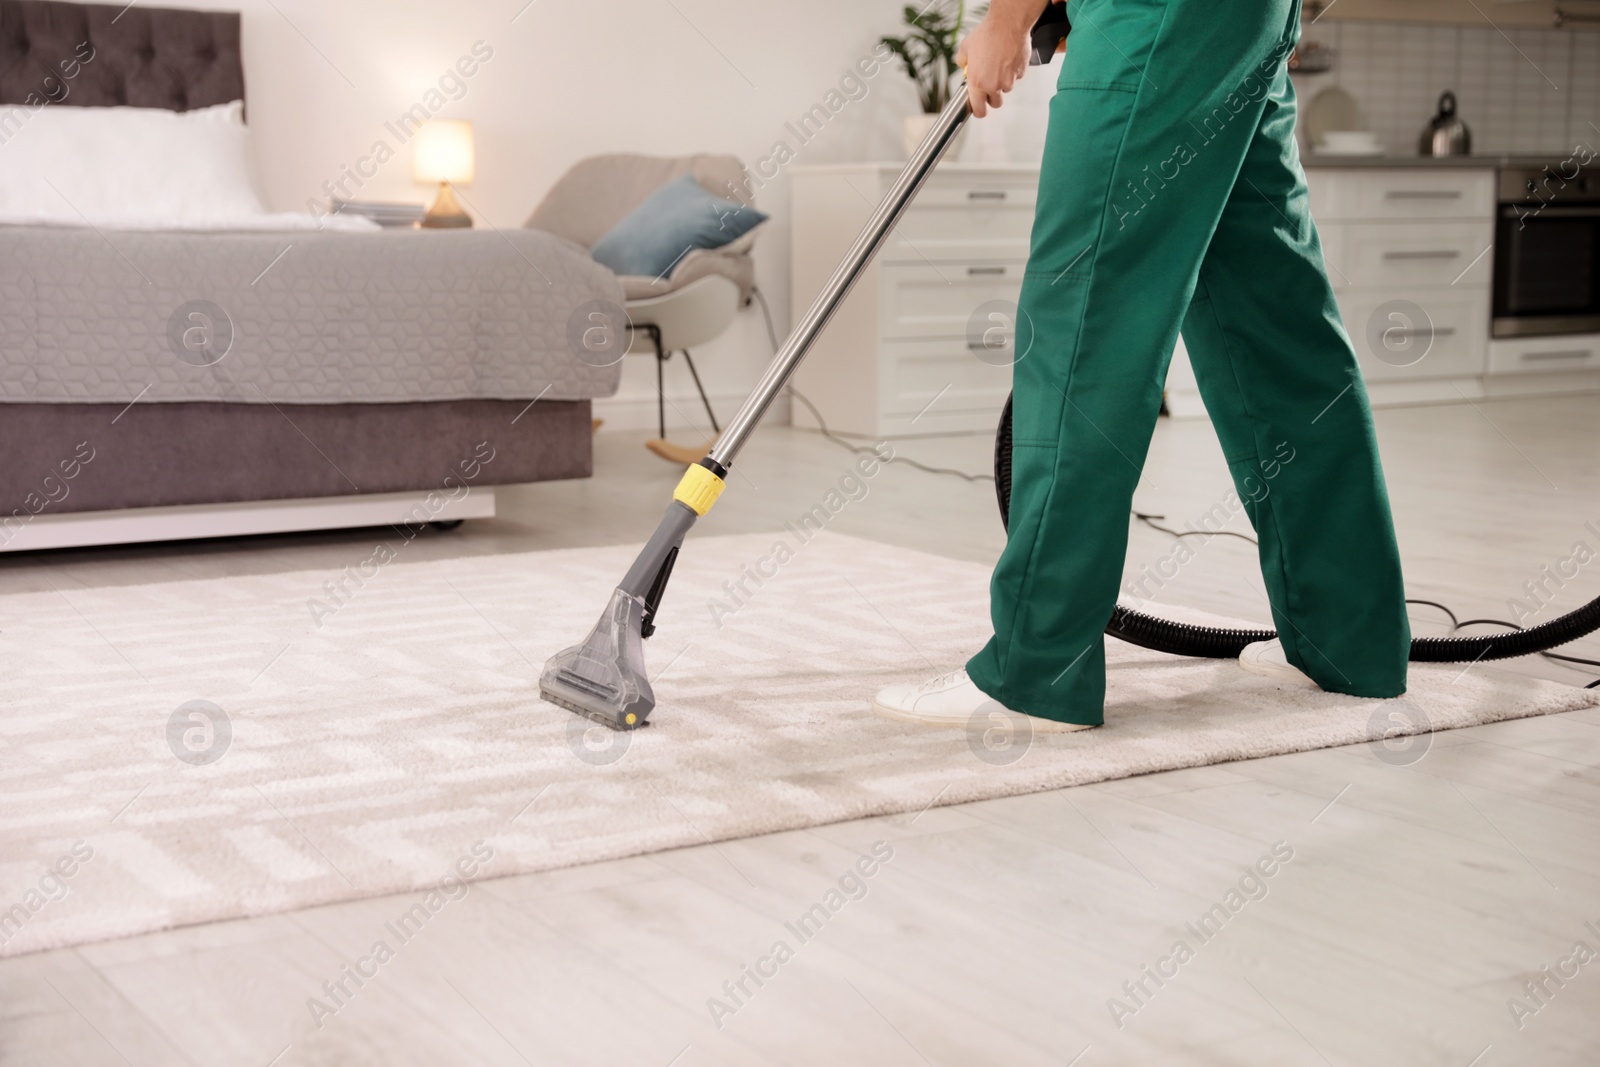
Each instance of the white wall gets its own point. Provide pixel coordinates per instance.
(569, 78)
(1521, 91)
(1540, 13)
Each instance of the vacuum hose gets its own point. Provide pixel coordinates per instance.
(1184, 639)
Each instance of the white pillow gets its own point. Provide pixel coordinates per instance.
(125, 166)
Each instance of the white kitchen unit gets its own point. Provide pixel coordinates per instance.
(1409, 253)
(1408, 248)
(902, 356)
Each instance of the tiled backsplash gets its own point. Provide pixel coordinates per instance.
(1528, 92)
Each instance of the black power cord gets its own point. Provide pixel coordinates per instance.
(1148, 520)
(1455, 623)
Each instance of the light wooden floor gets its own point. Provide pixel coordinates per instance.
(1418, 900)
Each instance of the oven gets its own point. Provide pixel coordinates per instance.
(1547, 251)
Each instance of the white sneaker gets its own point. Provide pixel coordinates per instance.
(952, 700)
(1268, 659)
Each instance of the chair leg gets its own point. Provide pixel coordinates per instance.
(661, 383)
(712, 415)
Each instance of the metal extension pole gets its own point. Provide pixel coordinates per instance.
(844, 278)
(603, 677)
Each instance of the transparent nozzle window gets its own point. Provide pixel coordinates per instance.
(604, 675)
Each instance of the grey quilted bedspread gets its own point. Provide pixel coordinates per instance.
(296, 317)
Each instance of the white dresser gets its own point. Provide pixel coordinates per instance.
(897, 359)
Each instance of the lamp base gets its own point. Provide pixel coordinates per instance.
(445, 213)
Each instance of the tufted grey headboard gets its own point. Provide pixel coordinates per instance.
(103, 55)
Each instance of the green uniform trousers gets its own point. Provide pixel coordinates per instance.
(1171, 197)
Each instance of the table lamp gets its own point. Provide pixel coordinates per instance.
(443, 153)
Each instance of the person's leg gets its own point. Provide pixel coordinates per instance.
(1280, 380)
(1158, 102)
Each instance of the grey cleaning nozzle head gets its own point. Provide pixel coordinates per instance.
(603, 677)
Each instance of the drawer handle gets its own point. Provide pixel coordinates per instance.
(1441, 254)
(981, 346)
(1442, 331)
(1423, 194)
(986, 270)
(986, 194)
(1575, 353)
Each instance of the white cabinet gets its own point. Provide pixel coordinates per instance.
(1437, 255)
(1402, 194)
(1544, 355)
(897, 358)
(1408, 253)
(1404, 334)
(935, 300)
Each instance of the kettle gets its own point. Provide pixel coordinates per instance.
(1446, 135)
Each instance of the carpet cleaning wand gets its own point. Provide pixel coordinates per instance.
(604, 677)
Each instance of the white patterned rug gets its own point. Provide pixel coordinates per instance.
(371, 734)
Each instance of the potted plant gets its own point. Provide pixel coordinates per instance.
(928, 53)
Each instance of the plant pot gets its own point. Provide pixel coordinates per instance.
(915, 127)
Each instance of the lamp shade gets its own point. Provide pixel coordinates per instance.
(443, 152)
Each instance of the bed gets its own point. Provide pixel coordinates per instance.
(159, 385)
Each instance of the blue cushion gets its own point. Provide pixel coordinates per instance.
(673, 221)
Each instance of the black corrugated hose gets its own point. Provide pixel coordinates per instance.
(1184, 639)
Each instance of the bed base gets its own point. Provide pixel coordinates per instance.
(187, 522)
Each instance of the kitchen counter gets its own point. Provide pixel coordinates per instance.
(1311, 160)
